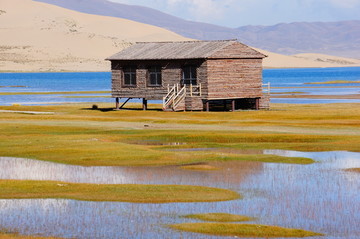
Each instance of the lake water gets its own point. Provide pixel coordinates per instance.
(291, 79)
(321, 197)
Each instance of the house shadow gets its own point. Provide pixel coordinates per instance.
(108, 109)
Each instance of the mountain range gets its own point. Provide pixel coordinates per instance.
(335, 38)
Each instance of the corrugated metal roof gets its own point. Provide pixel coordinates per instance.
(186, 50)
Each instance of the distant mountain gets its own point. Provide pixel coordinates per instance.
(336, 38)
(333, 38)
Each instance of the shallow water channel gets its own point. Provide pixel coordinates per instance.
(320, 197)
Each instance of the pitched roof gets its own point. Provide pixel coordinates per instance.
(186, 50)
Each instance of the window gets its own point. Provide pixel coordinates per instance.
(189, 75)
(155, 76)
(130, 76)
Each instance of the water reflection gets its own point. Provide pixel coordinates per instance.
(321, 197)
(230, 175)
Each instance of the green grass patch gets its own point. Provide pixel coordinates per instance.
(21, 189)
(242, 230)
(54, 93)
(4, 235)
(219, 217)
(79, 135)
(333, 82)
(86, 96)
(199, 167)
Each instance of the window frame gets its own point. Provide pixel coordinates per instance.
(156, 71)
(131, 72)
(192, 70)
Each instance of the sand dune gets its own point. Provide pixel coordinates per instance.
(322, 58)
(42, 37)
(275, 60)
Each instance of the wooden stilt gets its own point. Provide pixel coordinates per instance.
(207, 106)
(117, 103)
(144, 104)
(257, 103)
(233, 105)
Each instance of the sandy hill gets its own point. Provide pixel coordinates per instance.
(38, 36)
(41, 37)
(275, 60)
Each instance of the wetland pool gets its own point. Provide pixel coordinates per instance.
(320, 197)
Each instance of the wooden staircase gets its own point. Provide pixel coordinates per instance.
(183, 98)
(175, 99)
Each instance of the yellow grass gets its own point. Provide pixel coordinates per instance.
(354, 170)
(199, 167)
(76, 134)
(20, 189)
(333, 82)
(242, 230)
(18, 236)
(55, 93)
(219, 217)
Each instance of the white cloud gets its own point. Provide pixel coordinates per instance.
(201, 9)
(346, 3)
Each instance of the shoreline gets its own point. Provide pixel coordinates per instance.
(109, 71)
(330, 97)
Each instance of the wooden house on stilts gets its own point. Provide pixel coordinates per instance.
(190, 75)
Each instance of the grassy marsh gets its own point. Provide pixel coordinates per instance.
(54, 93)
(242, 230)
(18, 236)
(24, 189)
(199, 167)
(219, 217)
(110, 138)
(333, 82)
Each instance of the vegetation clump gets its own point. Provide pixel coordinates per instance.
(242, 230)
(199, 167)
(135, 193)
(354, 170)
(219, 217)
(333, 82)
(19, 236)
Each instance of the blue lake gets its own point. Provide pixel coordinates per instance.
(292, 79)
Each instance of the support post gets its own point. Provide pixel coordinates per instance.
(144, 104)
(117, 103)
(257, 103)
(233, 105)
(207, 106)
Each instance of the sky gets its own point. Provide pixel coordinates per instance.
(236, 13)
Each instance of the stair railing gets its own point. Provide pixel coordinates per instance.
(169, 97)
(180, 96)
